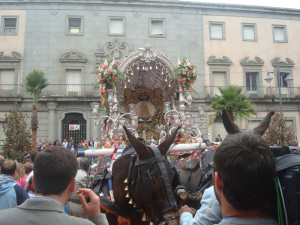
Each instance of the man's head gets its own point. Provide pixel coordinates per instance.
(54, 169)
(84, 164)
(245, 169)
(32, 156)
(8, 167)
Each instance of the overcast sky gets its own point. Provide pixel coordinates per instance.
(273, 3)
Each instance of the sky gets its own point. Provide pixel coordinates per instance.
(273, 3)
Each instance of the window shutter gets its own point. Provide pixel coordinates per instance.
(10, 22)
(73, 81)
(279, 34)
(157, 27)
(7, 79)
(116, 26)
(74, 22)
(249, 33)
(216, 31)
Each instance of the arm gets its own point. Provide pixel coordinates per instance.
(91, 208)
(21, 194)
(208, 216)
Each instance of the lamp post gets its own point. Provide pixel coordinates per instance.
(278, 76)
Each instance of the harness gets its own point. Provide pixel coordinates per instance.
(162, 207)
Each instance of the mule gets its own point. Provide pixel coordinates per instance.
(198, 177)
(144, 184)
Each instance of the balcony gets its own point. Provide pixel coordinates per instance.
(260, 92)
(10, 90)
(91, 90)
(71, 90)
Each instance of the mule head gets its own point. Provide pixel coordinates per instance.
(142, 151)
(150, 183)
(232, 128)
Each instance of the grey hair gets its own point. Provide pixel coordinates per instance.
(84, 164)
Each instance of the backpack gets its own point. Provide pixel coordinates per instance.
(287, 186)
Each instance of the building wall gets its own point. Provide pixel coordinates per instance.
(265, 48)
(43, 43)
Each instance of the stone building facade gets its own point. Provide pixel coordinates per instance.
(229, 44)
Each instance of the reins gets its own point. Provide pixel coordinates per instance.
(167, 205)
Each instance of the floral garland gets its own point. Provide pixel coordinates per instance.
(187, 72)
(107, 77)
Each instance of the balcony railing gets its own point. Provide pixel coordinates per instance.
(71, 90)
(261, 92)
(91, 90)
(10, 90)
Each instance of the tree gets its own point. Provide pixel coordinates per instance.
(279, 133)
(34, 84)
(18, 137)
(233, 101)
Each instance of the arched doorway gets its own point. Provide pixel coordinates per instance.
(74, 125)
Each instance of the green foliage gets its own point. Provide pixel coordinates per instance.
(18, 137)
(35, 82)
(278, 132)
(233, 101)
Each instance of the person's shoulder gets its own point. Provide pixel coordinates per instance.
(73, 220)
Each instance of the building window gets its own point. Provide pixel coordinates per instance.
(249, 32)
(283, 82)
(157, 28)
(73, 82)
(10, 25)
(251, 82)
(279, 33)
(218, 81)
(75, 25)
(217, 30)
(7, 82)
(116, 26)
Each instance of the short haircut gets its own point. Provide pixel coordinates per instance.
(84, 163)
(28, 167)
(246, 166)
(8, 167)
(54, 169)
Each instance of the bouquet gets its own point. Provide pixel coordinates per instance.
(186, 72)
(107, 76)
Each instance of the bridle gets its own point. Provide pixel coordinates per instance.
(170, 203)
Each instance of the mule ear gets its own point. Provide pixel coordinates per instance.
(165, 145)
(264, 124)
(138, 146)
(229, 125)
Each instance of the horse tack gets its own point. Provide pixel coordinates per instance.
(170, 203)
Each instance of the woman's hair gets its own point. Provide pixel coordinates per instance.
(20, 172)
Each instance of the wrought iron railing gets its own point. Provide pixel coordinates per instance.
(92, 90)
(261, 92)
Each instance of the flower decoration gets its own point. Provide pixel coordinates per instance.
(186, 72)
(107, 76)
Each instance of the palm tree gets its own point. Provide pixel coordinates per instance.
(35, 82)
(233, 101)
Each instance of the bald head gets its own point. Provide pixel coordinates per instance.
(8, 167)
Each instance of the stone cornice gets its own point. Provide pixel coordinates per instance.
(246, 62)
(14, 58)
(276, 61)
(73, 57)
(213, 61)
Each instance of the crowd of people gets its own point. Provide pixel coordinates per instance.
(70, 144)
(51, 184)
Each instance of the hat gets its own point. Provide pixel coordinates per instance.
(27, 156)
